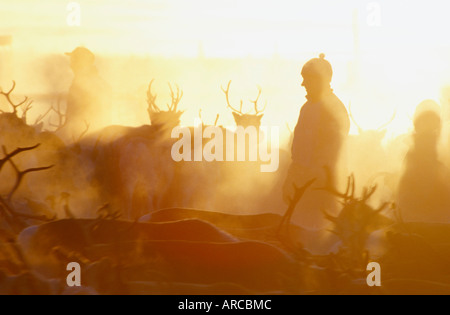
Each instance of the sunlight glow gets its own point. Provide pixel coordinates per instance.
(400, 62)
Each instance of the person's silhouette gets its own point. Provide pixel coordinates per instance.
(424, 187)
(88, 95)
(321, 130)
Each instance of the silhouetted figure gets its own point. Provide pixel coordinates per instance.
(424, 188)
(88, 96)
(321, 130)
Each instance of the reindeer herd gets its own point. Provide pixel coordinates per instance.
(138, 222)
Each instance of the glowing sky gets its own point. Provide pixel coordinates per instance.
(409, 50)
(225, 27)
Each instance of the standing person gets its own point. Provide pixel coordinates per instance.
(88, 95)
(319, 136)
(424, 187)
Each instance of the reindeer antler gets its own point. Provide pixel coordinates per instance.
(227, 91)
(26, 110)
(389, 122)
(217, 120)
(255, 102)
(175, 99)
(299, 192)
(16, 106)
(151, 98)
(62, 118)
(42, 116)
(14, 153)
(360, 129)
(349, 192)
(201, 118)
(83, 133)
(369, 192)
(20, 174)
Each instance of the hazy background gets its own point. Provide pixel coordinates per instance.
(386, 55)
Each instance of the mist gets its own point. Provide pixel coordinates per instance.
(205, 144)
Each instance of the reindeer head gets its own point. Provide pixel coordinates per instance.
(26, 104)
(170, 118)
(372, 136)
(13, 124)
(357, 220)
(206, 125)
(245, 120)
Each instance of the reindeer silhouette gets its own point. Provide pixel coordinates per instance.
(367, 156)
(170, 118)
(134, 167)
(245, 119)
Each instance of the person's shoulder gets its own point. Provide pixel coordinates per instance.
(336, 100)
(338, 105)
(309, 109)
(305, 107)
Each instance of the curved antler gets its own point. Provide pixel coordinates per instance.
(151, 98)
(360, 129)
(227, 91)
(175, 99)
(389, 122)
(369, 192)
(255, 102)
(16, 106)
(349, 192)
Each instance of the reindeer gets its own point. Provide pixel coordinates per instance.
(16, 220)
(253, 185)
(26, 103)
(245, 119)
(261, 226)
(167, 119)
(133, 165)
(12, 122)
(190, 251)
(369, 160)
(14, 119)
(195, 182)
(207, 178)
(43, 147)
(354, 226)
